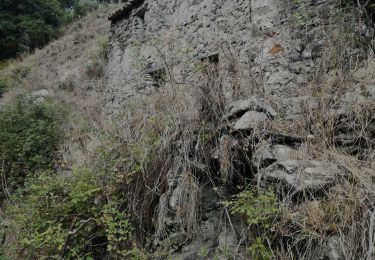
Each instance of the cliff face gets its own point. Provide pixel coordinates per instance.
(290, 92)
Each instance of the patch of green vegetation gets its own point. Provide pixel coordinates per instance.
(95, 68)
(59, 216)
(3, 87)
(29, 24)
(259, 209)
(29, 138)
(257, 206)
(81, 213)
(302, 16)
(203, 252)
(51, 210)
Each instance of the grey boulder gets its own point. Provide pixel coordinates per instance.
(302, 175)
(268, 154)
(252, 120)
(239, 107)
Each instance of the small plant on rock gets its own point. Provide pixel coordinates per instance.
(258, 207)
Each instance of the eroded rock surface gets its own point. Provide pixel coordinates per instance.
(264, 54)
(257, 104)
(251, 120)
(268, 154)
(302, 176)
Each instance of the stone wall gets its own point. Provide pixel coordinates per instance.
(266, 54)
(276, 43)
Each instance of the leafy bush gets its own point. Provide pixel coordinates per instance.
(83, 6)
(259, 209)
(77, 8)
(27, 24)
(50, 210)
(67, 217)
(257, 206)
(29, 138)
(3, 87)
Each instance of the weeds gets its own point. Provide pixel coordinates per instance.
(66, 217)
(3, 87)
(259, 209)
(29, 139)
(94, 68)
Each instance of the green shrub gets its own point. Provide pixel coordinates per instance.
(259, 209)
(257, 206)
(49, 212)
(66, 216)
(95, 67)
(82, 7)
(27, 24)
(3, 87)
(68, 17)
(29, 138)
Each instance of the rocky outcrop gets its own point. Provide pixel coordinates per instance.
(267, 154)
(262, 56)
(251, 120)
(257, 104)
(302, 176)
(274, 45)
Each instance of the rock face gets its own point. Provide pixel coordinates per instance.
(251, 120)
(263, 53)
(302, 175)
(150, 38)
(332, 249)
(268, 154)
(257, 104)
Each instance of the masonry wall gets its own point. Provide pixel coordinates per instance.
(266, 48)
(275, 44)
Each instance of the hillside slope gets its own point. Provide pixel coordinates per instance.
(70, 69)
(260, 147)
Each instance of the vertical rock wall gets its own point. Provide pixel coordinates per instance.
(267, 48)
(276, 42)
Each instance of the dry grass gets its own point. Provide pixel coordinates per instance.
(346, 212)
(61, 68)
